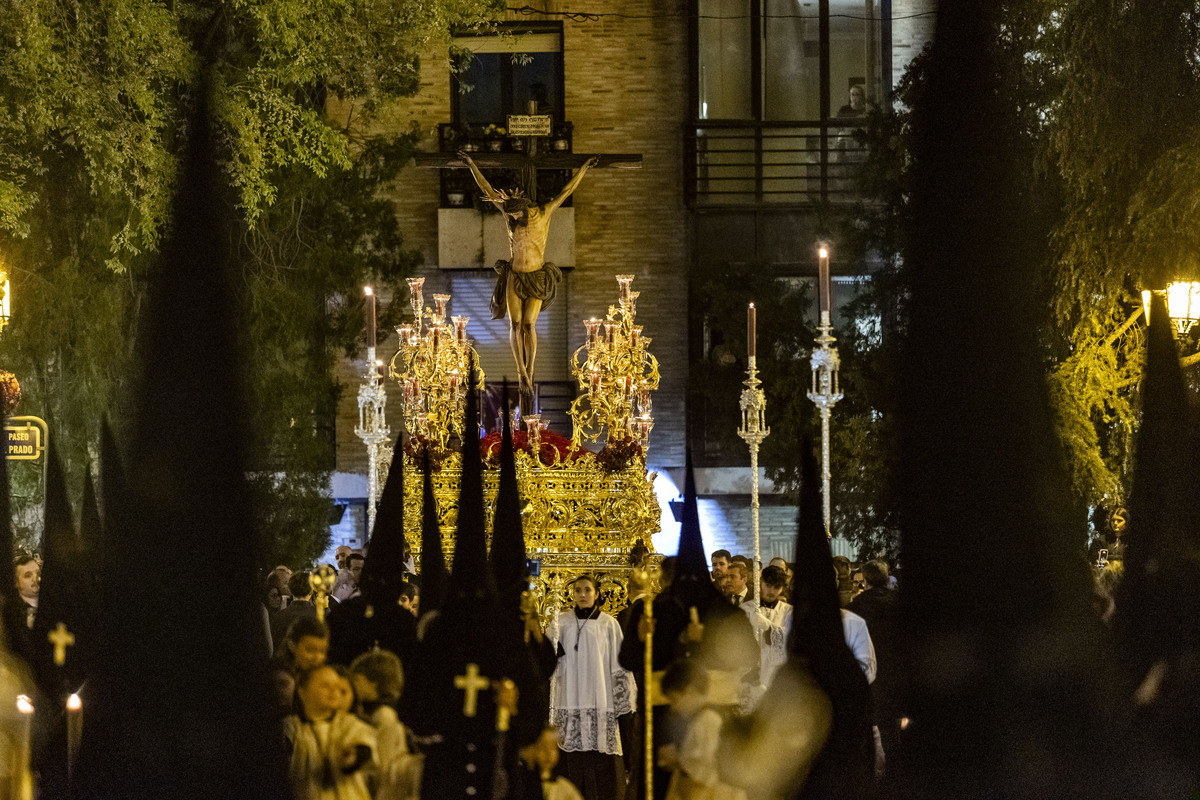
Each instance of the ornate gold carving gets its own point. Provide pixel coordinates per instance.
(578, 518)
(581, 514)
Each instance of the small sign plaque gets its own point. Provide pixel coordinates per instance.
(23, 442)
(529, 124)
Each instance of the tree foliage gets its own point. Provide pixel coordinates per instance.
(1123, 139)
(96, 102)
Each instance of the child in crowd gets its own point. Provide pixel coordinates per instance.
(540, 761)
(694, 759)
(302, 649)
(332, 751)
(378, 681)
(347, 701)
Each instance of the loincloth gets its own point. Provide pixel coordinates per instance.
(541, 284)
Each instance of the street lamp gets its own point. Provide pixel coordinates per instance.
(5, 300)
(1183, 304)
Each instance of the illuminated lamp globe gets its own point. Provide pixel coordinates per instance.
(1183, 305)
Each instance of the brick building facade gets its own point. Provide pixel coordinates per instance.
(629, 84)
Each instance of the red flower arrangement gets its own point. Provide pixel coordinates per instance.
(417, 446)
(553, 447)
(618, 454)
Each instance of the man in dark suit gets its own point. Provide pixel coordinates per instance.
(300, 606)
(878, 604)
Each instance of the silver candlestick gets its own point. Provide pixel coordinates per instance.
(753, 431)
(372, 428)
(825, 392)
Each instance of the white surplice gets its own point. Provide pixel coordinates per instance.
(590, 689)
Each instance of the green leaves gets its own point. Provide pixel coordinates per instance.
(95, 103)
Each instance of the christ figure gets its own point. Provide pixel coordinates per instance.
(527, 283)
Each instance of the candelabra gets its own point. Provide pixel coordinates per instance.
(754, 429)
(431, 364)
(372, 428)
(616, 377)
(825, 392)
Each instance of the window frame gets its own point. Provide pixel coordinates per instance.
(757, 67)
(757, 140)
(515, 29)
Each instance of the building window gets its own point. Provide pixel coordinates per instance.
(779, 85)
(500, 75)
(495, 76)
(724, 53)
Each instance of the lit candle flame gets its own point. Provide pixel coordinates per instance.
(74, 703)
(368, 291)
(24, 705)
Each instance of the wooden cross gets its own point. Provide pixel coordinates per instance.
(530, 161)
(61, 638)
(471, 683)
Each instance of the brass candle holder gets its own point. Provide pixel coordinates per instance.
(616, 376)
(432, 364)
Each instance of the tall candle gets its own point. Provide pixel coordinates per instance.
(74, 731)
(750, 325)
(369, 308)
(823, 281)
(23, 779)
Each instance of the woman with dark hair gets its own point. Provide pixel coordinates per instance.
(590, 691)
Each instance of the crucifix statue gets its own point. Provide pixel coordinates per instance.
(526, 283)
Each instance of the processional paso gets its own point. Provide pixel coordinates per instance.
(584, 510)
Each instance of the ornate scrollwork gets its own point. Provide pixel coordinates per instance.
(583, 512)
(578, 518)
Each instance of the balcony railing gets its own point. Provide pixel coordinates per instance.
(782, 163)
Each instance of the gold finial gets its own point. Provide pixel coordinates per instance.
(506, 703)
(321, 580)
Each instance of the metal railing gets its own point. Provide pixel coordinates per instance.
(772, 163)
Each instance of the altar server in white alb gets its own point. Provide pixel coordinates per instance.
(591, 690)
(772, 621)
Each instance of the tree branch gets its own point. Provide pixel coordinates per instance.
(1119, 332)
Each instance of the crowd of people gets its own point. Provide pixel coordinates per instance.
(339, 708)
(339, 701)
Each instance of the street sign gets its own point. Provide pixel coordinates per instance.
(529, 124)
(25, 438)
